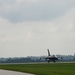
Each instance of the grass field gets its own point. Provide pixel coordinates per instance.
(43, 69)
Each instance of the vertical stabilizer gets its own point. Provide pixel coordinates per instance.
(48, 52)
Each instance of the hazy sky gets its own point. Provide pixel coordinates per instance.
(29, 27)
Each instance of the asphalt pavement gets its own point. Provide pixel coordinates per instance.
(6, 72)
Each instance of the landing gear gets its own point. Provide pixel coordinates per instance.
(54, 61)
(48, 61)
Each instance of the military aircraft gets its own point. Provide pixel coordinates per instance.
(51, 57)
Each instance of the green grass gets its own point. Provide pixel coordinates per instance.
(43, 69)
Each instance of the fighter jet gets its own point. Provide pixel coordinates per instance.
(51, 57)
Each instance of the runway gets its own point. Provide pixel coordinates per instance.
(6, 72)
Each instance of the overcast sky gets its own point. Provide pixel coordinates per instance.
(29, 27)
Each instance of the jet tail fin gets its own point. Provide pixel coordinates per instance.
(48, 52)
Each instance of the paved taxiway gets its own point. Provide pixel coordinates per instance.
(6, 72)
